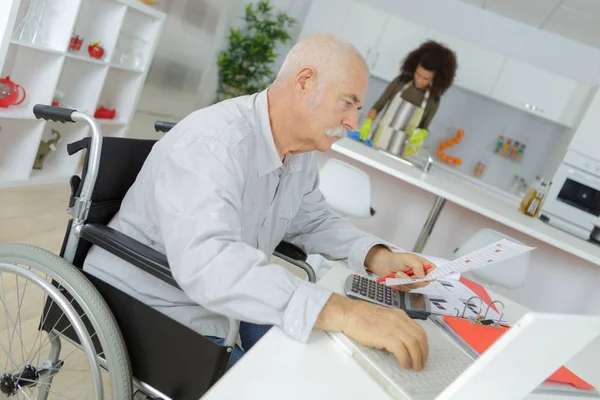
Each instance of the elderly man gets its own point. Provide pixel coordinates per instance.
(229, 182)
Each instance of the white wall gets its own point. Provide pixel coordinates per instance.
(513, 38)
(184, 75)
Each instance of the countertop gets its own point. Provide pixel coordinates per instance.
(467, 194)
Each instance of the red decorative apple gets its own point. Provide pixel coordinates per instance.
(95, 50)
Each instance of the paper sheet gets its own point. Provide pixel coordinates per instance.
(499, 251)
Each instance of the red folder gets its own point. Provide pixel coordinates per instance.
(481, 337)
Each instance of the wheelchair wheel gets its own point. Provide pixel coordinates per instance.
(58, 338)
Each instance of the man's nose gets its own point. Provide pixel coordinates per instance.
(351, 123)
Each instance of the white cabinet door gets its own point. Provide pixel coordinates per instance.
(398, 39)
(363, 28)
(325, 17)
(540, 92)
(478, 67)
(587, 137)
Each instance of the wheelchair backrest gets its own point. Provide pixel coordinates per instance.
(121, 160)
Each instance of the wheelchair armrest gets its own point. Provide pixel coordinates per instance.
(130, 250)
(291, 250)
(295, 255)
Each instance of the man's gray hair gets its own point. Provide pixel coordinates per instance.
(328, 54)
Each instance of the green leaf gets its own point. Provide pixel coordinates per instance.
(245, 66)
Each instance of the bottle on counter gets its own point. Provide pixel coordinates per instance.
(513, 150)
(534, 200)
(530, 195)
(506, 147)
(520, 153)
(500, 144)
(479, 168)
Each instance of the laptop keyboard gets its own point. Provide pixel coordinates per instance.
(446, 362)
(443, 367)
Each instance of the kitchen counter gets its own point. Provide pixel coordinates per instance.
(477, 198)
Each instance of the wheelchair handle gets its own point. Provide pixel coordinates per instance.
(57, 114)
(163, 126)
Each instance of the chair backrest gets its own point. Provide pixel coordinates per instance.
(509, 274)
(121, 160)
(346, 188)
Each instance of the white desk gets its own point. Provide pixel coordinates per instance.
(279, 367)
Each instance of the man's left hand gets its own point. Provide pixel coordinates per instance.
(383, 262)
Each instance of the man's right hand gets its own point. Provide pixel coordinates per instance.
(378, 327)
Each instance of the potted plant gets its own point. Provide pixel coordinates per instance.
(245, 66)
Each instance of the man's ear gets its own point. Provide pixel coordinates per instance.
(305, 80)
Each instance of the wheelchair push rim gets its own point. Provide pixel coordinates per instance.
(30, 367)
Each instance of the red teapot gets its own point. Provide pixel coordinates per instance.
(9, 93)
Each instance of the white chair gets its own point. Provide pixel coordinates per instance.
(346, 188)
(347, 191)
(510, 274)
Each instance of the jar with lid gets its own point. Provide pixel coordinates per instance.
(534, 199)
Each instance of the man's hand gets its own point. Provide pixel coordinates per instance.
(383, 262)
(378, 327)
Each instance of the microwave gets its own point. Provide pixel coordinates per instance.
(573, 202)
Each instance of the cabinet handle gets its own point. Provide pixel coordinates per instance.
(534, 108)
(375, 61)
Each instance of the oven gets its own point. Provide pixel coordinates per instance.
(573, 203)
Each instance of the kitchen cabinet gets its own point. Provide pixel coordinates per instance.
(540, 92)
(399, 37)
(325, 17)
(587, 137)
(363, 28)
(478, 67)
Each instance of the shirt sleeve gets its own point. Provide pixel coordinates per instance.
(319, 230)
(198, 196)
(393, 88)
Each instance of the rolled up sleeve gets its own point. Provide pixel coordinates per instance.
(198, 194)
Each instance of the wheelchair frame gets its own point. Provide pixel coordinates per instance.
(108, 238)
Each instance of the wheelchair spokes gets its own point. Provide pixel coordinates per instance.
(37, 360)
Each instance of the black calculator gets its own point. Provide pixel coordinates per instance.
(360, 287)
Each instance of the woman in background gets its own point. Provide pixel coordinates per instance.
(426, 73)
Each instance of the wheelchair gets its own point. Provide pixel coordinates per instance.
(116, 346)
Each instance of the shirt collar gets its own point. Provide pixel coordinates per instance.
(268, 160)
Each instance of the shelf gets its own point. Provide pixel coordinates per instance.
(36, 46)
(57, 23)
(137, 35)
(110, 121)
(58, 163)
(17, 112)
(81, 82)
(99, 21)
(37, 71)
(134, 70)
(19, 140)
(78, 56)
(113, 130)
(117, 92)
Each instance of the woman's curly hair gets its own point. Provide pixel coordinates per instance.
(433, 57)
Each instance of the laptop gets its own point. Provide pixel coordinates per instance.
(515, 365)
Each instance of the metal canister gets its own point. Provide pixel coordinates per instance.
(397, 143)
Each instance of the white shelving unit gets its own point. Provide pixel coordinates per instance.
(45, 66)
